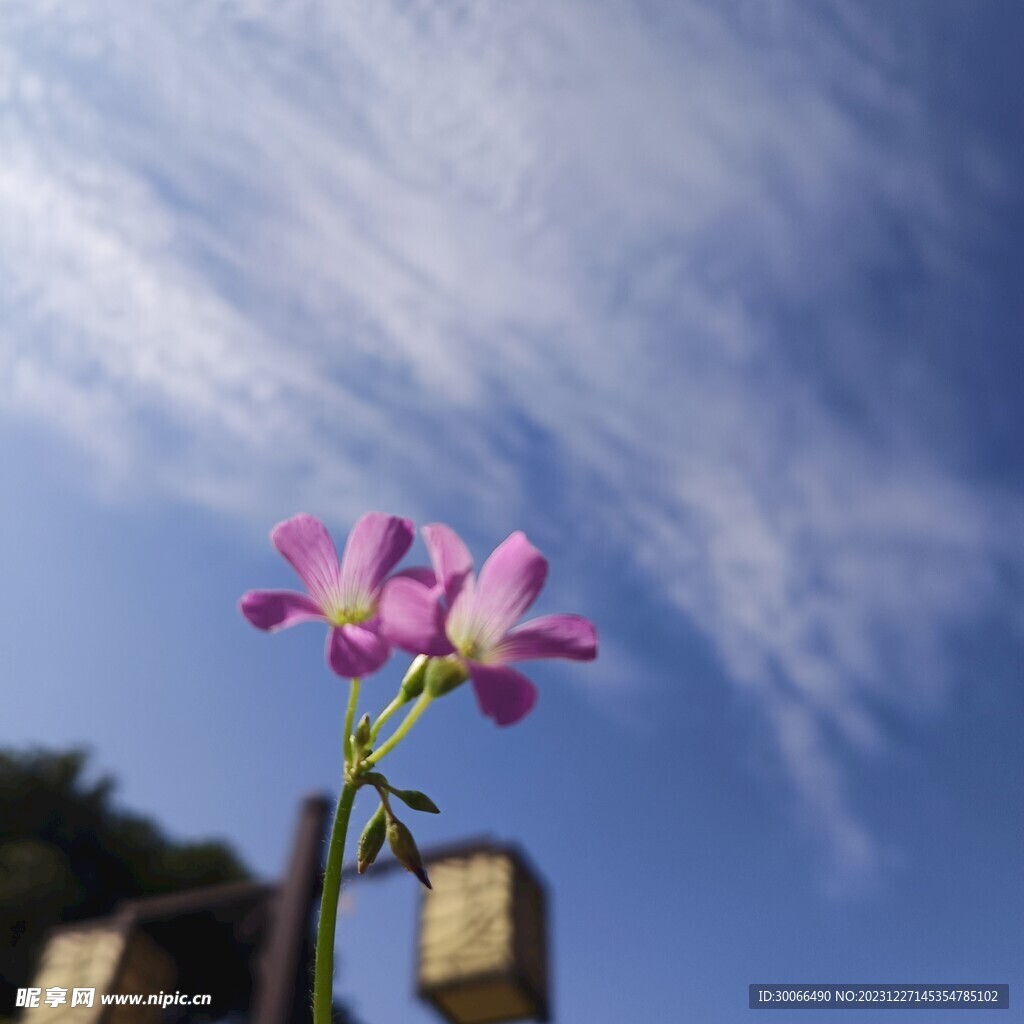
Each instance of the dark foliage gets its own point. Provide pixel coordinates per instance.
(66, 854)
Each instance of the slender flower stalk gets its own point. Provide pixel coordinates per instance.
(385, 715)
(350, 717)
(323, 969)
(402, 731)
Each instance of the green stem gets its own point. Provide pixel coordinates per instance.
(400, 733)
(385, 803)
(386, 714)
(350, 717)
(323, 971)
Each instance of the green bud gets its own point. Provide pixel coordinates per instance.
(416, 800)
(362, 733)
(403, 846)
(371, 841)
(412, 684)
(444, 674)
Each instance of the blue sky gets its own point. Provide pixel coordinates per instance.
(719, 302)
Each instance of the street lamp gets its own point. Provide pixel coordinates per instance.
(111, 956)
(482, 941)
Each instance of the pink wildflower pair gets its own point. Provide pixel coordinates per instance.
(442, 611)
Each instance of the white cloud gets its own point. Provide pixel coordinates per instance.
(251, 249)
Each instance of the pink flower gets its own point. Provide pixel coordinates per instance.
(344, 596)
(451, 612)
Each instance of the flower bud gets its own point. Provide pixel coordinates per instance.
(412, 684)
(444, 674)
(371, 841)
(416, 800)
(362, 734)
(403, 846)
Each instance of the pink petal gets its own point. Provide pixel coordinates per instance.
(419, 573)
(449, 556)
(550, 636)
(411, 617)
(508, 584)
(307, 545)
(356, 651)
(375, 546)
(278, 609)
(502, 693)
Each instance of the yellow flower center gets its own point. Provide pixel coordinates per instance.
(469, 649)
(349, 616)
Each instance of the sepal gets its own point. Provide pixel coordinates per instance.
(361, 737)
(412, 683)
(444, 675)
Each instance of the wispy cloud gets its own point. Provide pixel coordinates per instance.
(251, 249)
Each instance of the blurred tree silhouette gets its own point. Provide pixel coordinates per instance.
(67, 854)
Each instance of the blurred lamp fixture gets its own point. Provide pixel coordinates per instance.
(482, 942)
(107, 957)
(247, 945)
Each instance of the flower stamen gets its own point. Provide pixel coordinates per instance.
(339, 616)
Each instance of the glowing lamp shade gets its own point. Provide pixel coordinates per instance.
(110, 958)
(482, 943)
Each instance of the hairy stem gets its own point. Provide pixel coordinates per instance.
(323, 971)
